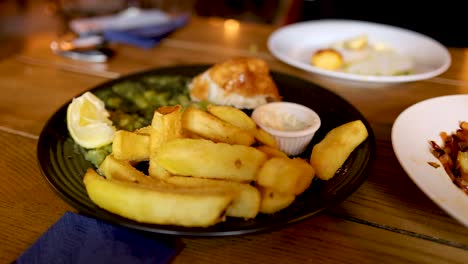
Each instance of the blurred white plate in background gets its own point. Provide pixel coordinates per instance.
(411, 133)
(294, 44)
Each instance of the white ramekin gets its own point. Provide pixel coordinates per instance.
(292, 142)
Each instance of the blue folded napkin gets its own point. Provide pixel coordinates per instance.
(146, 36)
(80, 239)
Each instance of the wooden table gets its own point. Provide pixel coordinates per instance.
(387, 220)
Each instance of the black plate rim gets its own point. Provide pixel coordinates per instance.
(200, 232)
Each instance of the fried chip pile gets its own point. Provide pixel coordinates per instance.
(204, 166)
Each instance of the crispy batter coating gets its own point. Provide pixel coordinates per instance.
(246, 77)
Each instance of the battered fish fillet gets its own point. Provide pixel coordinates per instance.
(242, 82)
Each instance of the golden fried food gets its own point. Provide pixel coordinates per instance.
(165, 126)
(207, 159)
(273, 201)
(113, 168)
(243, 82)
(203, 166)
(246, 202)
(232, 116)
(328, 59)
(330, 153)
(190, 207)
(210, 127)
(264, 138)
(286, 175)
(143, 131)
(272, 152)
(131, 146)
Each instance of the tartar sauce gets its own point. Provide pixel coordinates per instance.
(282, 121)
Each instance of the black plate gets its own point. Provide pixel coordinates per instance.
(64, 166)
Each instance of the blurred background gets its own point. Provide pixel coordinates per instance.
(443, 21)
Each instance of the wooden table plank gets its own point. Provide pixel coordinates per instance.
(390, 199)
(388, 219)
(322, 239)
(392, 100)
(31, 94)
(31, 80)
(28, 205)
(24, 218)
(217, 34)
(359, 206)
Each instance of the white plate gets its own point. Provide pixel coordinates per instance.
(294, 44)
(411, 133)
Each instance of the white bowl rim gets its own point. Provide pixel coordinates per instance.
(310, 130)
(274, 41)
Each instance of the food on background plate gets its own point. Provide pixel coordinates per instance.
(242, 82)
(453, 155)
(328, 59)
(358, 55)
(356, 43)
(329, 154)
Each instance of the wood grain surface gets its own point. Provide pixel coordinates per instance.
(387, 220)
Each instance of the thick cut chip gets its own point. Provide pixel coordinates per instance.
(113, 168)
(330, 153)
(206, 159)
(233, 116)
(273, 201)
(210, 127)
(143, 131)
(286, 175)
(192, 207)
(165, 126)
(272, 152)
(131, 146)
(263, 137)
(246, 203)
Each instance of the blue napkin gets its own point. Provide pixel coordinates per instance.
(80, 239)
(146, 36)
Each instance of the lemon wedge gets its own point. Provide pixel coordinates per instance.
(88, 121)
